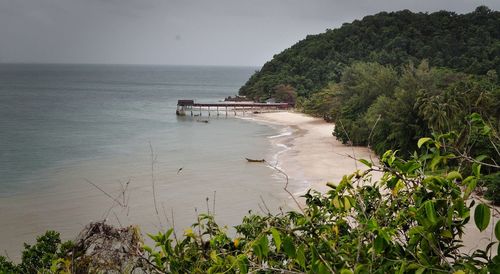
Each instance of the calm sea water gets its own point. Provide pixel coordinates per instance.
(64, 125)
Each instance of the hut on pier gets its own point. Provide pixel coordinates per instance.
(183, 105)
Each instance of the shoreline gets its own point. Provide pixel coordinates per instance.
(314, 157)
(302, 146)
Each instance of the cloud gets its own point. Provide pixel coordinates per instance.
(217, 32)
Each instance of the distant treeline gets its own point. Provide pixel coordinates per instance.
(392, 78)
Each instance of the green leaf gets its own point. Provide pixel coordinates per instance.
(301, 258)
(289, 247)
(261, 247)
(264, 245)
(372, 224)
(446, 234)
(213, 256)
(436, 159)
(243, 263)
(378, 244)
(331, 185)
(411, 166)
(430, 212)
(148, 249)
(336, 202)
(168, 233)
(471, 185)
(345, 271)
(486, 130)
(276, 238)
(366, 162)
(420, 270)
(347, 203)
(481, 158)
(482, 216)
(322, 268)
(476, 169)
(475, 117)
(422, 141)
(453, 175)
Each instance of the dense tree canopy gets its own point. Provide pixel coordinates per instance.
(468, 43)
(391, 78)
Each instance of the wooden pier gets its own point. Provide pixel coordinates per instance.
(185, 107)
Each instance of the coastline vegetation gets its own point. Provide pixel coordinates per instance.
(468, 43)
(422, 90)
(411, 220)
(374, 105)
(392, 78)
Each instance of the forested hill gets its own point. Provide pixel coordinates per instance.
(468, 43)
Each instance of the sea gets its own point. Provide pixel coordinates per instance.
(83, 143)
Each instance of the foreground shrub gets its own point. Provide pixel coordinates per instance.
(396, 216)
(411, 220)
(38, 257)
(492, 184)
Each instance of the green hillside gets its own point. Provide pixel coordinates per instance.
(469, 43)
(392, 78)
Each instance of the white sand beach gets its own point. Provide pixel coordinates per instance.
(315, 157)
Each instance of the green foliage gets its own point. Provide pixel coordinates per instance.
(41, 254)
(285, 94)
(39, 258)
(482, 216)
(7, 266)
(464, 42)
(361, 77)
(492, 184)
(325, 103)
(411, 220)
(375, 106)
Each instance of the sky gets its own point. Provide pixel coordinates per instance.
(180, 32)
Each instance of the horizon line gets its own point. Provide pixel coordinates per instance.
(124, 64)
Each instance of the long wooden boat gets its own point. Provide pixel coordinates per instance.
(255, 160)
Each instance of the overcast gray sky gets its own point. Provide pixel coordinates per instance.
(186, 32)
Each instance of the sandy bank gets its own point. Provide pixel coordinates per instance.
(315, 157)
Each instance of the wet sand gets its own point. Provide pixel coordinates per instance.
(313, 157)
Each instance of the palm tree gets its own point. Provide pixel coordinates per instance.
(439, 109)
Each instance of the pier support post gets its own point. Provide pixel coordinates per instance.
(217, 110)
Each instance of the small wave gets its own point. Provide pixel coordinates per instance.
(282, 145)
(287, 132)
(276, 156)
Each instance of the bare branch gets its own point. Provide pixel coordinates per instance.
(105, 193)
(350, 142)
(153, 160)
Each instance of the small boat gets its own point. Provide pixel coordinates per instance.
(202, 121)
(255, 160)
